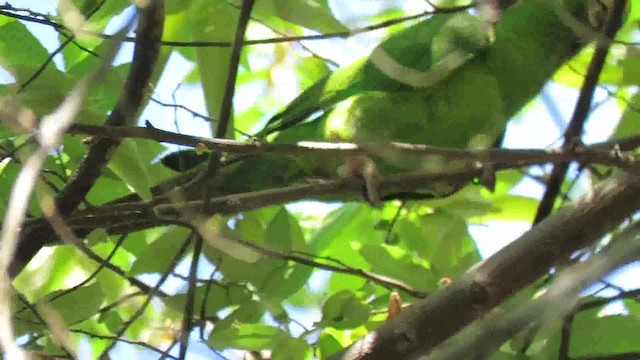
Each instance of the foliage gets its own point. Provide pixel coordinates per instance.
(326, 276)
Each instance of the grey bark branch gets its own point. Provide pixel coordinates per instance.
(149, 32)
(485, 337)
(431, 321)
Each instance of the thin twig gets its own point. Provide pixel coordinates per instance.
(9, 11)
(70, 39)
(123, 340)
(602, 153)
(573, 132)
(150, 296)
(95, 273)
(187, 318)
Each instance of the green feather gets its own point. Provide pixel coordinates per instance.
(463, 81)
(430, 48)
(469, 96)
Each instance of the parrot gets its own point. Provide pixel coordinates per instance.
(451, 80)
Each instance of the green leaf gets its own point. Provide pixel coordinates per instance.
(340, 281)
(286, 281)
(328, 345)
(451, 3)
(309, 70)
(466, 203)
(248, 313)
(340, 238)
(351, 222)
(500, 355)
(510, 208)
(78, 305)
(445, 243)
(287, 347)
(394, 262)
(248, 337)
(96, 237)
(46, 92)
(111, 283)
(234, 269)
(281, 231)
(157, 256)
(633, 307)
(312, 14)
(344, 311)
(176, 28)
(592, 335)
(47, 272)
(105, 190)
(103, 12)
(218, 236)
(137, 242)
(213, 20)
(100, 14)
(630, 70)
(8, 172)
(112, 321)
(74, 55)
(31, 52)
(102, 96)
(629, 125)
(249, 227)
(505, 181)
(130, 166)
(218, 297)
(573, 72)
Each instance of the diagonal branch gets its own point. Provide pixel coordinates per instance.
(431, 321)
(49, 136)
(146, 51)
(573, 132)
(487, 335)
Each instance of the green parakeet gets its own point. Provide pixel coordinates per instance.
(451, 80)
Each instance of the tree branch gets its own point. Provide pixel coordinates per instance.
(10, 11)
(149, 33)
(485, 337)
(431, 321)
(605, 153)
(573, 133)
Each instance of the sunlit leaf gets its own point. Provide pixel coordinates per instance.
(343, 310)
(78, 305)
(157, 256)
(312, 14)
(129, 165)
(591, 335)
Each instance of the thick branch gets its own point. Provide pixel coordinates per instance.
(441, 315)
(131, 214)
(485, 337)
(146, 51)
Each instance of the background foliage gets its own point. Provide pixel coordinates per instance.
(329, 280)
